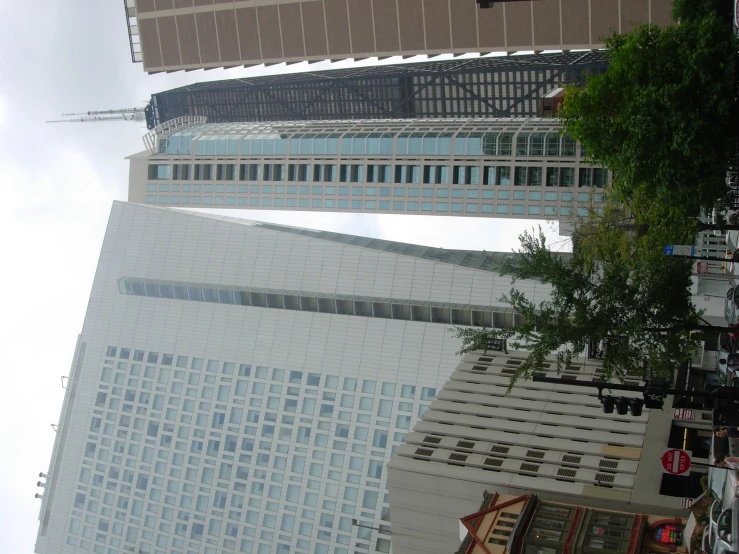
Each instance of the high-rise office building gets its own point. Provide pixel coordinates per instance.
(172, 35)
(515, 168)
(239, 387)
(504, 86)
(551, 440)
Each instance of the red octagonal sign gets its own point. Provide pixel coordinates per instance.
(676, 462)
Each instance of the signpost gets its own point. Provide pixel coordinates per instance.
(679, 250)
(498, 345)
(676, 462)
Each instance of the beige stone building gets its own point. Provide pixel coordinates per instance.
(553, 440)
(170, 35)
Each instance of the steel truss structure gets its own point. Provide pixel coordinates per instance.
(507, 86)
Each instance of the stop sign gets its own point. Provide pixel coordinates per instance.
(676, 462)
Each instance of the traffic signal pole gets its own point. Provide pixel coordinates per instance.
(616, 386)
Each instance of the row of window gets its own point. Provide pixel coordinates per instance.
(367, 499)
(256, 203)
(500, 175)
(398, 192)
(457, 314)
(369, 144)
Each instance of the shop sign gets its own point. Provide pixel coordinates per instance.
(683, 413)
(686, 503)
(497, 345)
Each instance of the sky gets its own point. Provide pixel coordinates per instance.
(58, 182)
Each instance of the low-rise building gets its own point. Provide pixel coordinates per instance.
(553, 440)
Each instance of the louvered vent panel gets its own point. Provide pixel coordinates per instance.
(485, 359)
(499, 449)
(480, 367)
(573, 368)
(530, 467)
(424, 451)
(495, 462)
(604, 477)
(608, 464)
(432, 440)
(538, 454)
(563, 472)
(458, 457)
(507, 371)
(514, 362)
(570, 459)
(466, 444)
(569, 377)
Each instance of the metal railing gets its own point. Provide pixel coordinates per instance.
(167, 128)
(133, 30)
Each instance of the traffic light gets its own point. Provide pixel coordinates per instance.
(608, 404)
(622, 405)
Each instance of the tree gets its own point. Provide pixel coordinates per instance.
(663, 117)
(611, 289)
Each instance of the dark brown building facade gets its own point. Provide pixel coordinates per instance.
(170, 35)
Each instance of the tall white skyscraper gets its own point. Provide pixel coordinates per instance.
(239, 386)
(509, 168)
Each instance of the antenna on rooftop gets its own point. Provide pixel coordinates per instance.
(123, 114)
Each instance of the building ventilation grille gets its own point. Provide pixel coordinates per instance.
(485, 359)
(514, 362)
(539, 374)
(572, 368)
(608, 464)
(530, 467)
(466, 444)
(495, 462)
(569, 459)
(458, 457)
(432, 440)
(424, 451)
(569, 377)
(604, 477)
(499, 449)
(563, 472)
(507, 371)
(480, 367)
(538, 454)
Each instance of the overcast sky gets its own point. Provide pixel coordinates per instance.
(58, 182)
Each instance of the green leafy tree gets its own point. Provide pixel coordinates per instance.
(604, 292)
(663, 117)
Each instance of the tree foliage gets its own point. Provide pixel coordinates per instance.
(664, 114)
(608, 290)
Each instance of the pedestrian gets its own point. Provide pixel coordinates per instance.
(730, 432)
(731, 462)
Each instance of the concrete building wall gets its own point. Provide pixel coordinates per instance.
(191, 34)
(136, 466)
(553, 440)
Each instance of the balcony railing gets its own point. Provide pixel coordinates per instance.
(133, 30)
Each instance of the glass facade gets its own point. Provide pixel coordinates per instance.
(287, 166)
(190, 454)
(507, 86)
